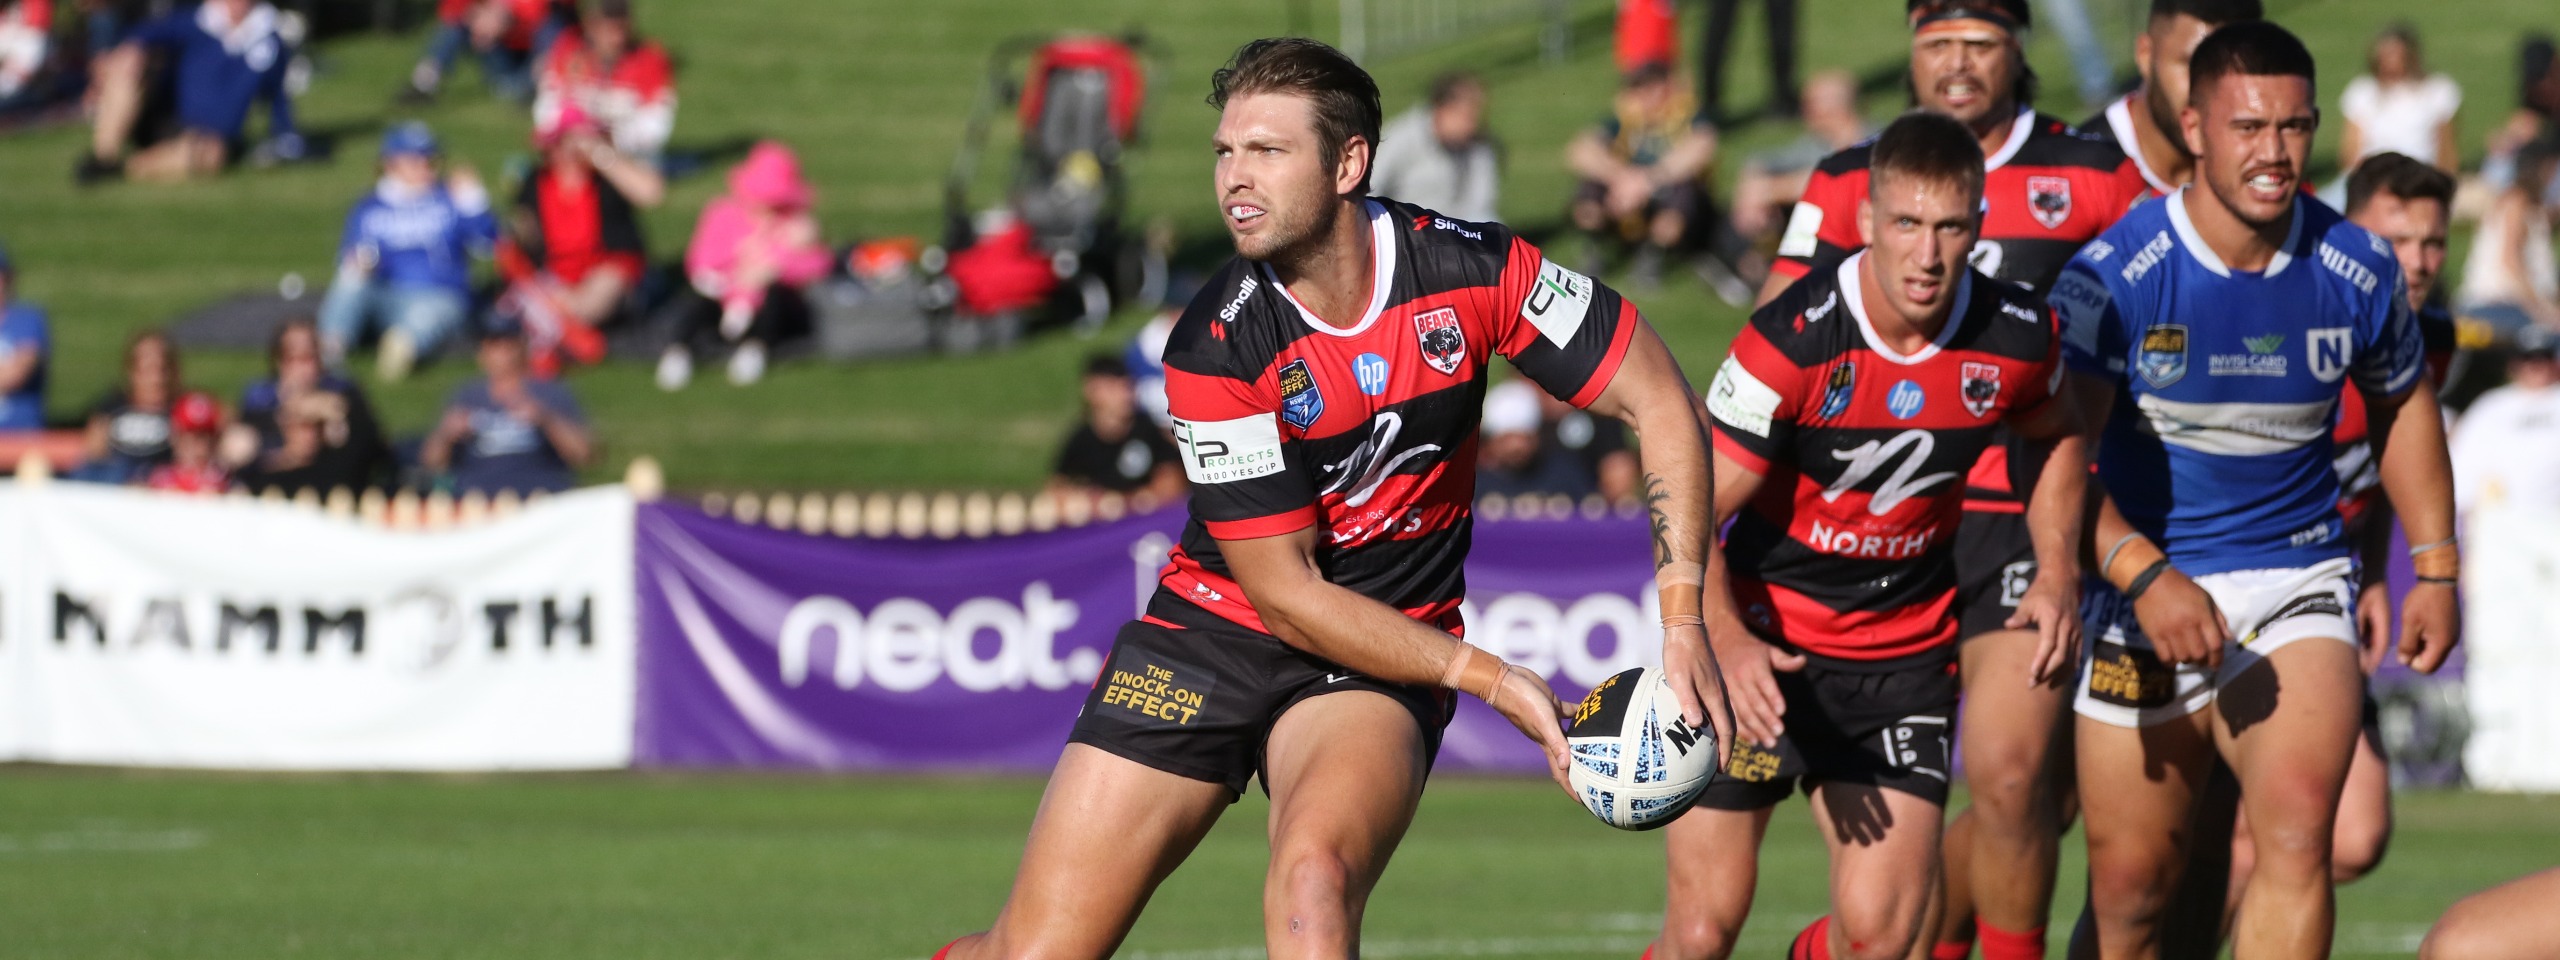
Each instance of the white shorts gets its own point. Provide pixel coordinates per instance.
(2123, 683)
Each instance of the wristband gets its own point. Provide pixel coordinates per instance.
(2142, 581)
(2110, 562)
(2438, 545)
(1682, 620)
(2445, 581)
(1473, 671)
(1682, 586)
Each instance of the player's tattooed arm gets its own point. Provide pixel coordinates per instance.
(1655, 496)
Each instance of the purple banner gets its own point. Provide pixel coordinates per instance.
(776, 649)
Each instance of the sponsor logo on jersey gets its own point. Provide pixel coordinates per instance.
(1300, 400)
(1443, 342)
(1804, 232)
(1557, 302)
(2262, 360)
(1987, 256)
(1371, 371)
(1236, 304)
(2329, 348)
(1740, 400)
(2163, 358)
(2345, 266)
(2128, 676)
(1851, 543)
(2049, 200)
(1829, 302)
(2147, 257)
(1836, 393)
(1981, 387)
(1151, 691)
(1867, 458)
(1225, 451)
(2098, 251)
(1447, 224)
(1357, 477)
(1905, 399)
(2014, 581)
(2019, 311)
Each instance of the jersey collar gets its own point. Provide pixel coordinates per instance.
(1382, 246)
(2120, 120)
(2019, 130)
(1851, 292)
(2195, 245)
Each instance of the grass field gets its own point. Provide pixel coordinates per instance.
(875, 94)
(98, 864)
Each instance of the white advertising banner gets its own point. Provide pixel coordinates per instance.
(2511, 635)
(152, 630)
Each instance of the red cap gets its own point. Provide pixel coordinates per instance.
(195, 412)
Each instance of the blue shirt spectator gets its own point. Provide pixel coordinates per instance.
(507, 430)
(26, 341)
(222, 65)
(404, 259)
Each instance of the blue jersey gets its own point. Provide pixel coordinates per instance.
(222, 67)
(2227, 382)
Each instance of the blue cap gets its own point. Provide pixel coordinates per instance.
(2532, 339)
(411, 139)
(501, 324)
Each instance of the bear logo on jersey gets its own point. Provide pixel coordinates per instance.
(1836, 394)
(2164, 354)
(1981, 387)
(1300, 401)
(1444, 344)
(2049, 199)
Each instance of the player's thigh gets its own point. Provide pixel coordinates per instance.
(2287, 724)
(1345, 771)
(2010, 726)
(1712, 866)
(2138, 787)
(1108, 831)
(2509, 922)
(2364, 809)
(1884, 859)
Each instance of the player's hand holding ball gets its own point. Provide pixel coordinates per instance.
(1637, 764)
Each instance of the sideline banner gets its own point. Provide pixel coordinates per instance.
(769, 648)
(152, 630)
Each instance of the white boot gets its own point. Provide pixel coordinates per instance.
(675, 369)
(746, 365)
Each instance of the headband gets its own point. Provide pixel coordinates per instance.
(1992, 16)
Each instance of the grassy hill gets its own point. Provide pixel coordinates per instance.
(875, 95)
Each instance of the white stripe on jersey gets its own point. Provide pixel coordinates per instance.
(2235, 429)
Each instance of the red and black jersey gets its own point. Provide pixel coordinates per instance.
(1846, 550)
(2049, 190)
(1367, 432)
(2116, 124)
(2359, 472)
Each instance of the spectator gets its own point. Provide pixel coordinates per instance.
(404, 260)
(507, 430)
(1773, 181)
(1436, 156)
(1648, 31)
(303, 427)
(2399, 107)
(2537, 113)
(224, 56)
(604, 68)
(504, 35)
(1145, 360)
(1716, 36)
(1639, 169)
(1113, 449)
(2509, 278)
(2506, 447)
(195, 426)
(26, 49)
(26, 344)
(573, 253)
(1513, 459)
(754, 253)
(129, 427)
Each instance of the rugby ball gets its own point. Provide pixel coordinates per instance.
(1636, 765)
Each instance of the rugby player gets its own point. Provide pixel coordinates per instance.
(1325, 388)
(2210, 336)
(2409, 204)
(2048, 190)
(1845, 419)
(2144, 123)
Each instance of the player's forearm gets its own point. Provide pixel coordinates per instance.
(1360, 633)
(2418, 478)
(2057, 507)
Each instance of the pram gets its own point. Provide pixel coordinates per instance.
(1057, 249)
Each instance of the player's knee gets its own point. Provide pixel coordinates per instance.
(1693, 938)
(2460, 935)
(1313, 884)
(2007, 794)
(2130, 878)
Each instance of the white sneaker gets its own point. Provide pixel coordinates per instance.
(746, 365)
(399, 353)
(675, 369)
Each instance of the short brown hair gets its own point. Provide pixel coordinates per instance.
(2399, 175)
(1345, 98)
(1928, 146)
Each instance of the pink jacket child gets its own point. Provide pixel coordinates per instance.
(758, 234)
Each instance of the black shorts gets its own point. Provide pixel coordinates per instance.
(1199, 703)
(1891, 728)
(1995, 561)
